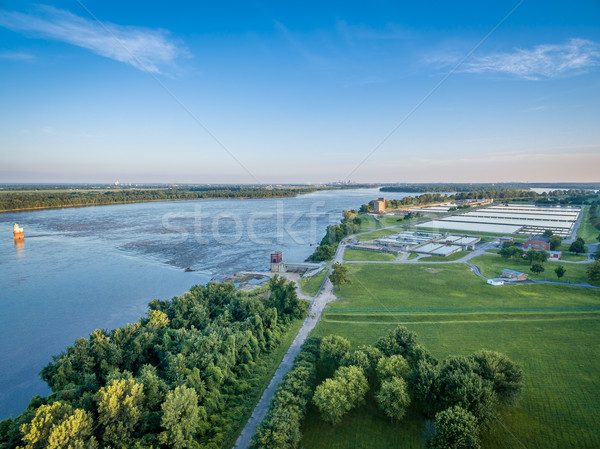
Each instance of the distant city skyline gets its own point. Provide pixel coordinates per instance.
(267, 92)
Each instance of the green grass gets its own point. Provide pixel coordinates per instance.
(451, 257)
(491, 265)
(311, 285)
(361, 254)
(412, 256)
(378, 234)
(573, 257)
(551, 330)
(391, 220)
(586, 231)
(368, 223)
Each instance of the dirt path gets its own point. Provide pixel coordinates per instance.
(318, 303)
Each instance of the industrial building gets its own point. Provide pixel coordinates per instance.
(422, 242)
(539, 242)
(523, 219)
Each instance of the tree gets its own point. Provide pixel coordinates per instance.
(555, 242)
(593, 271)
(58, 426)
(505, 375)
(333, 349)
(578, 246)
(455, 428)
(537, 268)
(331, 400)
(458, 384)
(335, 397)
(180, 418)
(560, 271)
(548, 233)
(120, 409)
(392, 366)
(422, 381)
(339, 275)
(393, 398)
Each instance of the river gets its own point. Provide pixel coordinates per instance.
(85, 268)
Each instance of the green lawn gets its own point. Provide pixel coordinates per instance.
(378, 234)
(586, 231)
(551, 330)
(491, 265)
(573, 257)
(311, 285)
(361, 254)
(368, 223)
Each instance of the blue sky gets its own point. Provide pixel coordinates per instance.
(98, 91)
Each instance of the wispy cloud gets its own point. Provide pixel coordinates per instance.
(16, 55)
(540, 62)
(145, 49)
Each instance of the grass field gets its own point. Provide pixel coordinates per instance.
(572, 257)
(311, 285)
(551, 330)
(368, 223)
(378, 234)
(492, 265)
(361, 254)
(586, 231)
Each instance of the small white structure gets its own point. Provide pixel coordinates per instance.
(495, 281)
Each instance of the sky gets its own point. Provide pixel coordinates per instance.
(275, 92)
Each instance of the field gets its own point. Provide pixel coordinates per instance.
(378, 234)
(361, 254)
(551, 330)
(311, 285)
(492, 265)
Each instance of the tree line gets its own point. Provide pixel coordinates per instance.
(178, 378)
(17, 200)
(461, 394)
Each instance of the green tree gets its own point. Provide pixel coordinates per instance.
(392, 366)
(58, 426)
(120, 409)
(333, 349)
(505, 375)
(331, 400)
(336, 396)
(593, 271)
(560, 271)
(455, 428)
(422, 381)
(555, 242)
(393, 398)
(537, 268)
(339, 275)
(458, 384)
(548, 233)
(578, 246)
(180, 418)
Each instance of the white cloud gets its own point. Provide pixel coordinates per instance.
(542, 61)
(16, 55)
(145, 49)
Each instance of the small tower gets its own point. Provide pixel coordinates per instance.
(18, 233)
(277, 265)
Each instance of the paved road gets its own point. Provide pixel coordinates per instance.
(318, 303)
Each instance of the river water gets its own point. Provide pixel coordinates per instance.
(80, 269)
